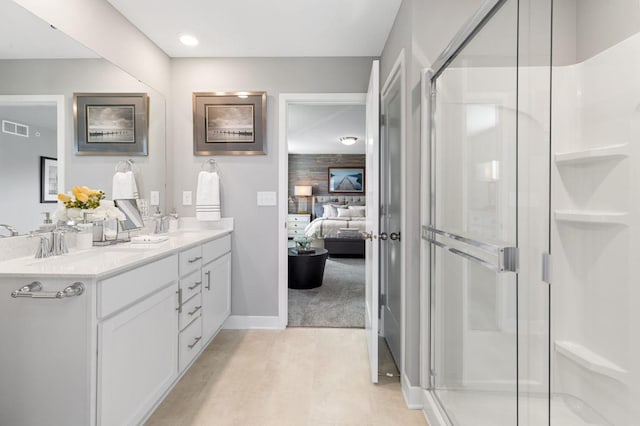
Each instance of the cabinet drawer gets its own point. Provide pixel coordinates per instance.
(190, 260)
(216, 248)
(190, 343)
(303, 218)
(124, 289)
(191, 310)
(190, 285)
(296, 232)
(297, 225)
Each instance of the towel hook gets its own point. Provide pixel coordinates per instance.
(125, 166)
(210, 165)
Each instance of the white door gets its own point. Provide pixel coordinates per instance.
(391, 211)
(372, 180)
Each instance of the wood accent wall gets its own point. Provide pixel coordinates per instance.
(312, 169)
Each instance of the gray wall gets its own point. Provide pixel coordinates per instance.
(20, 166)
(255, 256)
(423, 28)
(66, 76)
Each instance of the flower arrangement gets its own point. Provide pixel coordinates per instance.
(303, 243)
(87, 200)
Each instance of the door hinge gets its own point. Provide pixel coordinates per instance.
(383, 299)
(383, 119)
(546, 268)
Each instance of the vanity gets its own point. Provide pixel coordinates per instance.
(107, 350)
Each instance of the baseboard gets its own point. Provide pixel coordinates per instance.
(412, 394)
(431, 410)
(247, 322)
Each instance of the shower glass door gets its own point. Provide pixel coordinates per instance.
(489, 329)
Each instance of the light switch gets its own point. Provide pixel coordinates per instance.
(154, 198)
(187, 198)
(267, 198)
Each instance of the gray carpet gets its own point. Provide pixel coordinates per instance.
(338, 302)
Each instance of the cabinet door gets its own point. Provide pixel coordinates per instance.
(137, 358)
(216, 295)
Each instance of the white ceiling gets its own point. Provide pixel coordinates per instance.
(315, 129)
(264, 28)
(25, 36)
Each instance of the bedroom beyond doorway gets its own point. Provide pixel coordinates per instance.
(326, 210)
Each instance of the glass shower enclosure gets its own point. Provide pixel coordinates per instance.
(533, 117)
(488, 231)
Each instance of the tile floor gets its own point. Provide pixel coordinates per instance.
(297, 376)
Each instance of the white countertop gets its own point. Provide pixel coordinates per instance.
(102, 262)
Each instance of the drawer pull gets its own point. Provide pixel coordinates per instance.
(179, 293)
(195, 342)
(195, 259)
(208, 274)
(196, 309)
(195, 285)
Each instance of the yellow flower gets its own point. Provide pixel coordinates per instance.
(64, 198)
(94, 192)
(82, 197)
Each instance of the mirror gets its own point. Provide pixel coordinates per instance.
(41, 69)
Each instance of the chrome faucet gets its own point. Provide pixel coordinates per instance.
(13, 231)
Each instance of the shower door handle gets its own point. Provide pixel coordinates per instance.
(506, 257)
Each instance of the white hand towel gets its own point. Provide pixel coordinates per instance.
(124, 186)
(208, 196)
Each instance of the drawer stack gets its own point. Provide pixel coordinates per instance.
(190, 305)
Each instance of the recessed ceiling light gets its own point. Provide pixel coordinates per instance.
(188, 40)
(348, 140)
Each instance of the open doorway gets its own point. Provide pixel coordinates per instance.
(326, 213)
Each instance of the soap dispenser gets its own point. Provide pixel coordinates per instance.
(84, 239)
(48, 224)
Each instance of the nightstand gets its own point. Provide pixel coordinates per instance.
(297, 223)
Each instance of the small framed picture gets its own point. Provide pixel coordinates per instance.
(346, 180)
(48, 180)
(229, 123)
(111, 123)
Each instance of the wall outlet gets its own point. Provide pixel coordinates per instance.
(187, 198)
(267, 198)
(154, 198)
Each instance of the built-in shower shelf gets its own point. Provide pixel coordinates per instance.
(591, 360)
(592, 155)
(592, 216)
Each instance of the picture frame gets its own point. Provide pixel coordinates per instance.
(48, 180)
(346, 180)
(111, 123)
(229, 123)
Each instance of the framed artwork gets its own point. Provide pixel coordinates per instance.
(346, 180)
(111, 123)
(227, 123)
(48, 180)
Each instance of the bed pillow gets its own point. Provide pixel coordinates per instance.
(364, 208)
(330, 210)
(318, 210)
(350, 213)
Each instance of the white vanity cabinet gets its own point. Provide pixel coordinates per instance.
(216, 295)
(108, 355)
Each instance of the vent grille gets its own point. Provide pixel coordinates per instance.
(15, 129)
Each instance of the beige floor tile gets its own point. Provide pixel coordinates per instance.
(297, 377)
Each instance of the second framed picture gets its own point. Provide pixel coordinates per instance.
(111, 123)
(229, 123)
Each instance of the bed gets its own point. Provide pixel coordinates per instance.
(332, 213)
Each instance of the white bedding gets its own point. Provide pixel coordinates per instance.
(321, 227)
